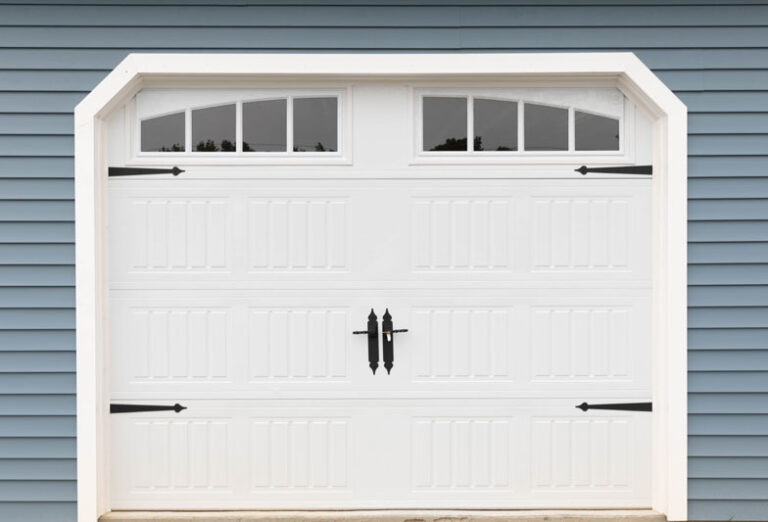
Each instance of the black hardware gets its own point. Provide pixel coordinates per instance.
(626, 406)
(140, 171)
(131, 408)
(387, 341)
(373, 341)
(646, 170)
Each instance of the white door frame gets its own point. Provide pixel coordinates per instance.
(669, 351)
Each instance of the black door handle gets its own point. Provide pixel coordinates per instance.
(373, 341)
(388, 340)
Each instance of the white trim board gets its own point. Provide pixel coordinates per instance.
(625, 70)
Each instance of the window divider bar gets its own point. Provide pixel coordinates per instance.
(520, 126)
(289, 124)
(340, 127)
(187, 130)
(571, 129)
(239, 127)
(470, 123)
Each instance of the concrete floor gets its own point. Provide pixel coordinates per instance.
(630, 515)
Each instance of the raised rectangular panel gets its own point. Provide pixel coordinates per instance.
(462, 453)
(178, 234)
(297, 234)
(178, 455)
(580, 233)
(587, 454)
(462, 234)
(455, 343)
(298, 344)
(299, 454)
(580, 342)
(178, 344)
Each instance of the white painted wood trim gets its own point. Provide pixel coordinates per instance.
(623, 69)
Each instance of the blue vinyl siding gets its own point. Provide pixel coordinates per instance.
(714, 56)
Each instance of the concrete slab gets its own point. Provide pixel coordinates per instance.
(603, 515)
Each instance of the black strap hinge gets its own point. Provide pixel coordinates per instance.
(646, 170)
(141, 171)
(619, 406)
(133, 408)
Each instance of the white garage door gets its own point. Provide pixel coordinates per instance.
(235, 289)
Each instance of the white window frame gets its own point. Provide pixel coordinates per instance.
(188, 100)
(624, 156)
(624, 70)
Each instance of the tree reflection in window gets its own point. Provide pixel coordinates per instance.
(444, 123)
(496, 121)
(319, 147)
(173, 148)
(315, 124)
(459, 144)
(213, 129)
(210, 146)
(264, 126)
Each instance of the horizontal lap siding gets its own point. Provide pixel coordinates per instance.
(714, 56)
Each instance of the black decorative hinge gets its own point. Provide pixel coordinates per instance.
(373, 341)
(132, 408)
(622, 406)
(645, 170)
(141, 171)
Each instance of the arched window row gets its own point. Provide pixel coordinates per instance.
(501, 125)
(290, 124)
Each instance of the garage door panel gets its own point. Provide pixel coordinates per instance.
(294, 234)
(222, 345)
(298, 343)
(463, 453)
(583, 342)
(299, 453)
(292, 453)
(460, 343)
(600, 456)
(173, 235)
(168, 343)
(176, 456)
(505, 343)
(462, 234)
(588, 233)
(232, 456)
(270, 231)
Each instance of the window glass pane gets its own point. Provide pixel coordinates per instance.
(315, 125)
(444, 123)
(213, 129)
(596, 132)
(546, 128)
(495, 125)
(163, 134)
(264, 126)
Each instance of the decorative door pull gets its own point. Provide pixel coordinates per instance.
(387, 342)
(373, 341)
(620, 406)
